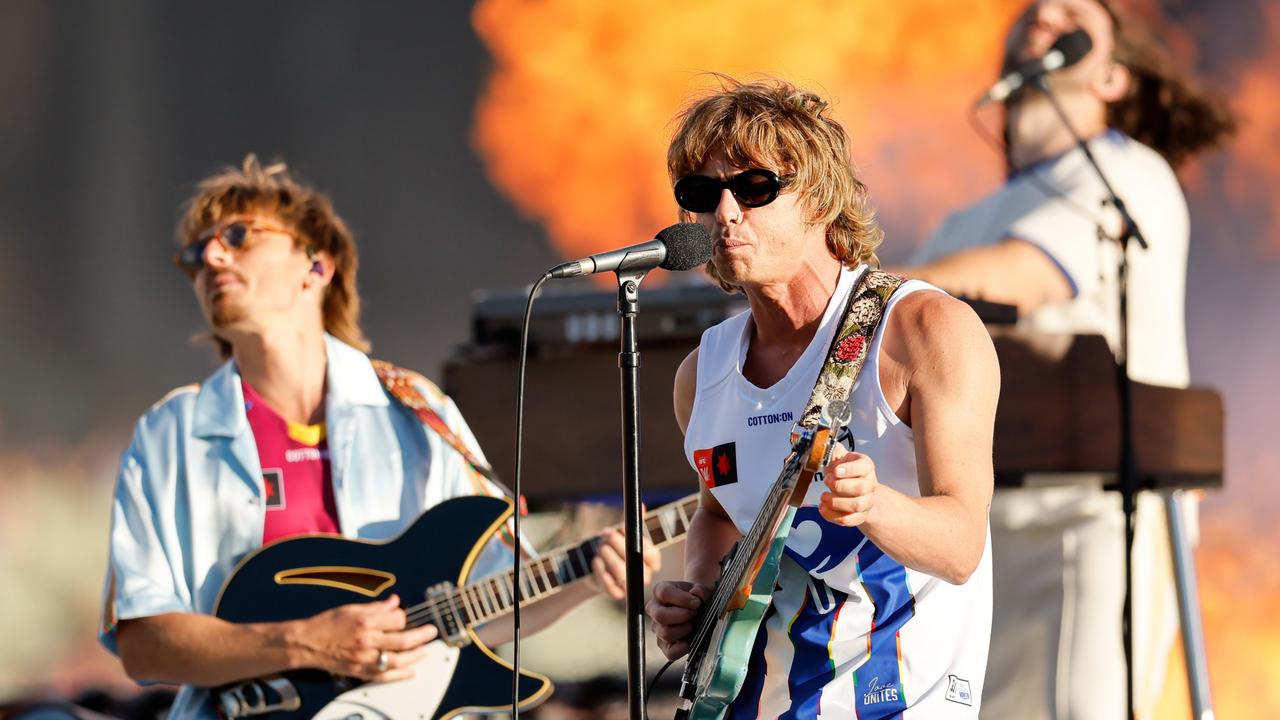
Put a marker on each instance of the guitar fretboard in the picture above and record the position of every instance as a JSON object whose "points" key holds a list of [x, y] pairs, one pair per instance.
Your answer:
{"points": [[486, 599], [745, 558]]}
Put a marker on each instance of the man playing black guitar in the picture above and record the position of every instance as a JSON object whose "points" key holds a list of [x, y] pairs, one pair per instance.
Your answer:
{"points": [[882, 605], [299, 432]]}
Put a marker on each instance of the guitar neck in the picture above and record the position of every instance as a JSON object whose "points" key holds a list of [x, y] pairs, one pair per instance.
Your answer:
{"points": [[495, 596], [744, 562]]}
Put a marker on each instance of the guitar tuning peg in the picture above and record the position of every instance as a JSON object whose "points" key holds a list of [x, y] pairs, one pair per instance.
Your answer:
{"points": [[837, 413]]}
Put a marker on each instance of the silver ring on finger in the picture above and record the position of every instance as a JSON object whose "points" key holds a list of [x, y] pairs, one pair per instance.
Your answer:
{"points": [[384, 661]]}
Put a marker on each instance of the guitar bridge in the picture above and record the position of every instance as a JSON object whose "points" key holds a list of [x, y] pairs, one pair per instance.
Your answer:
{"points": [[448, 615]]}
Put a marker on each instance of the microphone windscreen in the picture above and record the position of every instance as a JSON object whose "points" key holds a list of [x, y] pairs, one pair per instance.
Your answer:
{"points": [[688, 246], [1073, 46]]}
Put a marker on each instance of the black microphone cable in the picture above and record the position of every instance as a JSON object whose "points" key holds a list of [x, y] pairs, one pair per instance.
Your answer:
{"points": [[515, 531], [648, 693]]}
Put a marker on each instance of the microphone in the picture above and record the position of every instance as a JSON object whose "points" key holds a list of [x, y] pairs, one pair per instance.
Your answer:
{"points": [[682, 246], [1067, 50]]}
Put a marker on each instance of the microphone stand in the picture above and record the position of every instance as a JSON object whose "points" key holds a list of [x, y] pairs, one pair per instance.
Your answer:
{"points": [[629, 362], [1129, 483]]}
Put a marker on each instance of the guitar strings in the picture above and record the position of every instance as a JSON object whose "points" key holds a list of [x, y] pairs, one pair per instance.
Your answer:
{"points": [[457, 598], [754, 536], [724, 592]]}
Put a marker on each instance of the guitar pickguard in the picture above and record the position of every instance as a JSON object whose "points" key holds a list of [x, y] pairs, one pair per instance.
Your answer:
{"points": [[413, 699]]}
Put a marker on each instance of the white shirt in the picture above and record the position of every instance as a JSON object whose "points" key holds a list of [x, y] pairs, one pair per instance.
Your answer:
{"points": [[1056, 205]]}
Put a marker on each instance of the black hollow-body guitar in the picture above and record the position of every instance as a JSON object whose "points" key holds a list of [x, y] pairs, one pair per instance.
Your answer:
{"points": [[428, 566]]}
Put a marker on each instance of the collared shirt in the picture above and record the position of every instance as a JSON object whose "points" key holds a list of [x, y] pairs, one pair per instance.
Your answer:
{"points": [[189, 498]]}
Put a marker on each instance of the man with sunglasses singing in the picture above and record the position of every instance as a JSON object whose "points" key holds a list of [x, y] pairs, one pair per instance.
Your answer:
{"points": [[295, 433], [883, 603]]}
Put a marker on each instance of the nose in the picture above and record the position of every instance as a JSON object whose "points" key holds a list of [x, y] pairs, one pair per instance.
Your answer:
{"points": [[1050, 14], [216, 254], [728, 212]]}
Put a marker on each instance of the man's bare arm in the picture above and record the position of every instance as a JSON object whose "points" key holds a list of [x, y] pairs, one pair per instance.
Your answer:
{"points": [[711, 532], [674, 605], [953, 383], [1013, 272]]}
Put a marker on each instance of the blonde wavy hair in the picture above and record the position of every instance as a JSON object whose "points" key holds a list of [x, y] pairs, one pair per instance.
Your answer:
{"points": [[770, 123], [275, 190]]}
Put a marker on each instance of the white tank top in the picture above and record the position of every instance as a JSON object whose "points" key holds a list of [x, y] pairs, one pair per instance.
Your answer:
{"points": [[851, 632]]}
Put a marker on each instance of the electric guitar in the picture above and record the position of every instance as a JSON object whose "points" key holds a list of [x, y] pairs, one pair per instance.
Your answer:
{"points": [[430, 561], [726, 628]]}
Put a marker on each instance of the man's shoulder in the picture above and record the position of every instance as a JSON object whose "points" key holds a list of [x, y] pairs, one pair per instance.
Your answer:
{"points": [[389, 372], [177, 401], [1139, 167], [414, 392], [928, 321], [925, 304], [180, 404], [178, 394], [1118, 144], [167, 417]]}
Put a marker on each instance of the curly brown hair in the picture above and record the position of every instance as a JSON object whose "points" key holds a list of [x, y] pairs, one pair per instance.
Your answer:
{"points": [[1164, 107], [276, 190], [770, 123]]}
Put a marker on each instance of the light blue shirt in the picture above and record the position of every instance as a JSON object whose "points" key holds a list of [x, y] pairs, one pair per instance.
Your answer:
{"points": [[189, 498]]}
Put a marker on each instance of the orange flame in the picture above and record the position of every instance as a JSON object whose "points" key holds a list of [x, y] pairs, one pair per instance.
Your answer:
{"points": [[1239, 585], [1253, 177], [575, 120]]}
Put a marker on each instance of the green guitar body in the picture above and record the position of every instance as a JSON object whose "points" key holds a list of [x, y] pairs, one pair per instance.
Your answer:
{"points": [[722, 679]]}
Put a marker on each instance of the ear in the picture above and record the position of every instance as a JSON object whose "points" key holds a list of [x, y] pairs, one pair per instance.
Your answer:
{"points": [[320, 274], [1113, 84]]}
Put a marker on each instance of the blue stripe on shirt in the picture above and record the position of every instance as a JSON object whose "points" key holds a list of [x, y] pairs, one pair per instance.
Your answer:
{"points": [[812, 668], [879, 694]]}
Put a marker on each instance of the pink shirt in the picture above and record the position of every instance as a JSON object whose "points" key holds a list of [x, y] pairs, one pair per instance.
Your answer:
{"points": [[296, 475]]}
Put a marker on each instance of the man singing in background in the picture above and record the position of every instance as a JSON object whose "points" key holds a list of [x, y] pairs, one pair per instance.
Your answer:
{"points": [[1046, 243]]}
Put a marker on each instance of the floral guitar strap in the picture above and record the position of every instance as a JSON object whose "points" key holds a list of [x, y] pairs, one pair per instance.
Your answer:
{"points": [[852, 341]]}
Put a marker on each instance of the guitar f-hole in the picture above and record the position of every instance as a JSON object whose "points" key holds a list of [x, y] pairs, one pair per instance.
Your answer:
{"points": [[364, 581]]}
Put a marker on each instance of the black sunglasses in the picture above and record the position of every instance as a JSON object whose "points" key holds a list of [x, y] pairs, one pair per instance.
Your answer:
{"points": [[233, 237], [752, 188]]}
